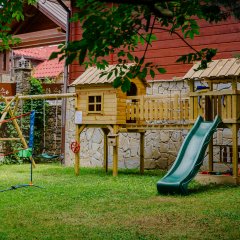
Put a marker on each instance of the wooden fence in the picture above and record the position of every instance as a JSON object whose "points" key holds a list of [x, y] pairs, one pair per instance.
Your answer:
{"points": [[157, 108]]}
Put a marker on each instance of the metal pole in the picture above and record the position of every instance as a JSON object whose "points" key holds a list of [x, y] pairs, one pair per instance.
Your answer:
{"points": [[65, 81]]}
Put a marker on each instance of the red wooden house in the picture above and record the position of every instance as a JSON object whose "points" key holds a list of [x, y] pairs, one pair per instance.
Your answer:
{"points": [[224, 36]]}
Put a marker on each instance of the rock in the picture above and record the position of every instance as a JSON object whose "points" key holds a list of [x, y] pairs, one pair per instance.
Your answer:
{"points": [[132, 163], [98, 156], [164, 136], [148, 151], [89, 133], [149, 164], [124, 143], [97, 137], [95, 147], [155, 154], [162, 164]]}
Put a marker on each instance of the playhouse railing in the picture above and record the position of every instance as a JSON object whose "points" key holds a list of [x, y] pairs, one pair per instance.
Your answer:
{"points": [[224, 103], [157, 109]]}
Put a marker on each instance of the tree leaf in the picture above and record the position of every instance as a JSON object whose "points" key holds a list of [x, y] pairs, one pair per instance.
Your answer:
{"points": [[53, 55], [152, 73], [162, 70]]}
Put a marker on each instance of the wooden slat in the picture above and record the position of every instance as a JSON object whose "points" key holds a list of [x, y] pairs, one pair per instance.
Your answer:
{"points": [[195, 108], [9, 139], [229, 107]]}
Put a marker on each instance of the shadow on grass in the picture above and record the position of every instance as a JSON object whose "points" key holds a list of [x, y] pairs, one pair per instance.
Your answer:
{"points": [[136, 172], [199, 188]]}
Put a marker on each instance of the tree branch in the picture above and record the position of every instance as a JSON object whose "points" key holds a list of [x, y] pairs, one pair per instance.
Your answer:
{"points": [[148, 42], [182, 38], [134, 2]]}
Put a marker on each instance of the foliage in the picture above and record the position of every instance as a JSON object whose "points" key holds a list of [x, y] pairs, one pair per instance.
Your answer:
{"points": [[95, 205], [10, 11], [120, 28]]}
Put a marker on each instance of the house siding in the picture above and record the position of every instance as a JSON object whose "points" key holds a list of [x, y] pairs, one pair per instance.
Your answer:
{"points": [[225, 36]]}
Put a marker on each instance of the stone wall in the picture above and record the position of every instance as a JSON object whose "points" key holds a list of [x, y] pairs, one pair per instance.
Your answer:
{"points": [[22, 77], [53, 127]]}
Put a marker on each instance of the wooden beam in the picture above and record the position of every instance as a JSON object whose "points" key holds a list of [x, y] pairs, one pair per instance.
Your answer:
{"points": [[210, 155], [8, 104], [9, 139], [235, 150], [40, 38], [105, 148], [77, 155], [44, 96], [78, 130], [142, 135], [115, 152]]}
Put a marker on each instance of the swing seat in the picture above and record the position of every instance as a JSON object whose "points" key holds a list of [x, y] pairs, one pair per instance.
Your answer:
{"points": [[48, 156], [25, 153]]}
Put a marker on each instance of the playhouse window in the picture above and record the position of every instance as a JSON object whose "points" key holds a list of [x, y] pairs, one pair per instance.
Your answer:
{"points": [[94, 104]]}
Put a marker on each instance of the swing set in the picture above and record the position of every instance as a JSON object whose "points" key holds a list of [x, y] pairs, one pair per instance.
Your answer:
{"points": [[26, 151]]}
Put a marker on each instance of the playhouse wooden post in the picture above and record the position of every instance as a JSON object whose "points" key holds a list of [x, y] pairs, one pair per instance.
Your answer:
{"points": [[77, 155], [142, 136], [235, 131], [209, 117], [105, 149], [191, 100], [79, 129], [210, 155], [235, 150], [115, 152]]}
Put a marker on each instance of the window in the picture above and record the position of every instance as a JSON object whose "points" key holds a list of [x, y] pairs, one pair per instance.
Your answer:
{"points": [[95, 104]]}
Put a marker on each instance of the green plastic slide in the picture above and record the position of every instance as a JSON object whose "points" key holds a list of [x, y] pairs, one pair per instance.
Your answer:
{"points": [[190, 157]]}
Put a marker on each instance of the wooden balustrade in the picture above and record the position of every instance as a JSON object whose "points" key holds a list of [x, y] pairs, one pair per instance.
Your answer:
{"points": [[222, 103], [157, 108]]}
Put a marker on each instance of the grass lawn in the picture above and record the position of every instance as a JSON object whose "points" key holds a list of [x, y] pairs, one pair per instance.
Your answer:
{"points": [[98, 206]]}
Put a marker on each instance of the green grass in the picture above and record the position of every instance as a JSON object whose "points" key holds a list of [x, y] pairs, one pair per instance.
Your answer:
{"points": [[98, 206]]}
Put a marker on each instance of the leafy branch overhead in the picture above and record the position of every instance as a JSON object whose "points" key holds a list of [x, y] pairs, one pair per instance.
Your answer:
{"points": [[10, 11], [120, 28]]}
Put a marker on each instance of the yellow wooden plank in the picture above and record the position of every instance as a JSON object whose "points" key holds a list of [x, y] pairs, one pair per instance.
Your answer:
{"points": [[195, 108], [150, 110], [229, 106], [160, 110], [142, 152], [175, 107]]}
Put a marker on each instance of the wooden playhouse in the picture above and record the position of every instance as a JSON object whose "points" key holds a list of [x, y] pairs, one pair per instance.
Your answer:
{"points": [[100, 105]]}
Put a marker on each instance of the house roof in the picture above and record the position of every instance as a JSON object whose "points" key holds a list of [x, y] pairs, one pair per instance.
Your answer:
{"points": [[217, 69], [54, 11], [39, 53], [92, 76], [49, 68]]}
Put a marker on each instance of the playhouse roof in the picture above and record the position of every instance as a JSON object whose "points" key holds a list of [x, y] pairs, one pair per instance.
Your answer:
{"points": [[217, 69], [92, 76]]}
